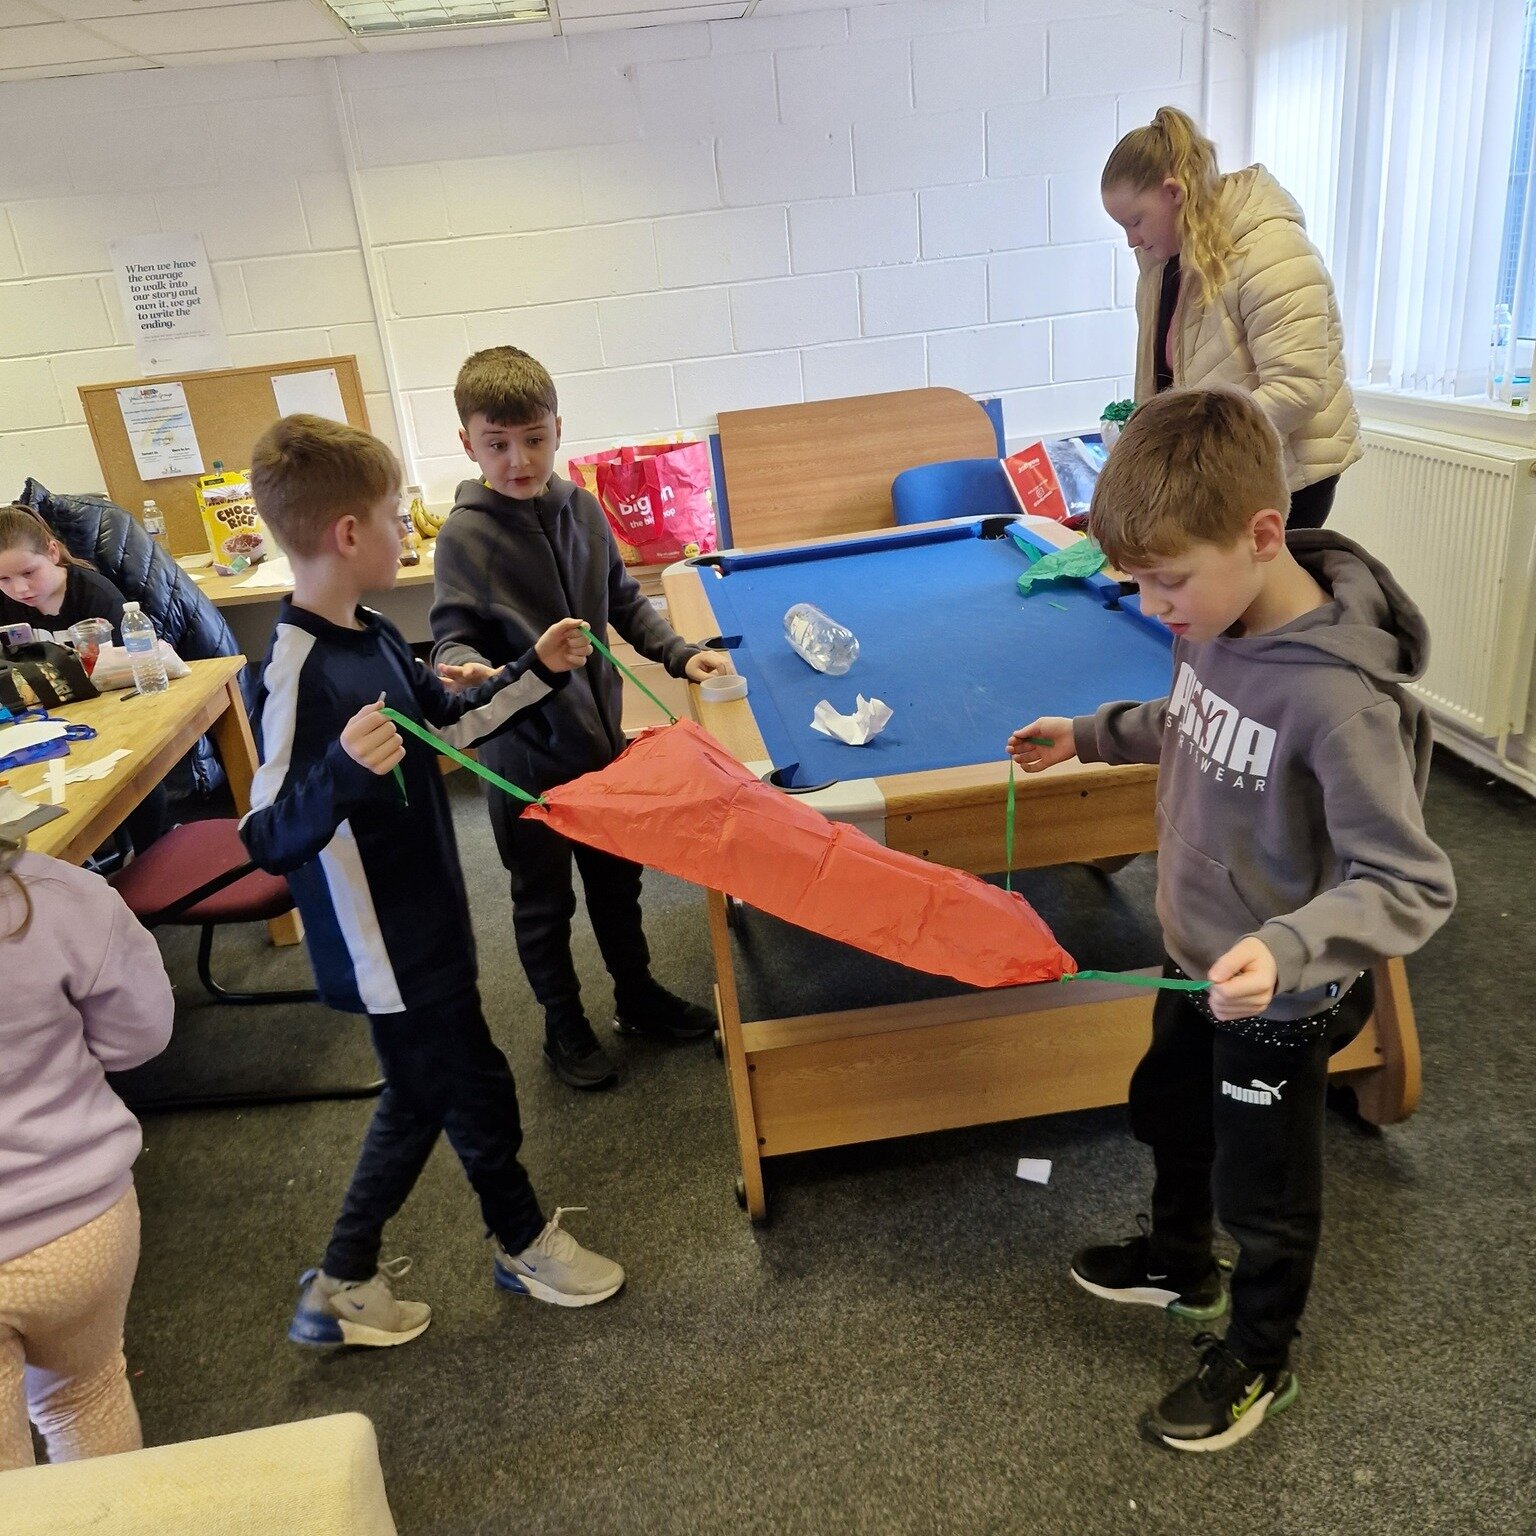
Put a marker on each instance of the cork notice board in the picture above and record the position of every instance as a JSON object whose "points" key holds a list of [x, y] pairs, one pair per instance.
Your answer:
{"points": [[230, 409]]}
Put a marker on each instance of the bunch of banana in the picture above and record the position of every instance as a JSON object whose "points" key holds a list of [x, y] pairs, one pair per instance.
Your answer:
{"points": [[425, 521]]}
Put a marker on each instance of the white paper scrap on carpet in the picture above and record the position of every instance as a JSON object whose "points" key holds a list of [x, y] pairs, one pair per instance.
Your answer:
{"points": [[1036, 1169]]}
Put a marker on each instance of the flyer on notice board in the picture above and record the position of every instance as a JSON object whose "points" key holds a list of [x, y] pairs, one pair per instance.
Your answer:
{"points": [[160, 430]]}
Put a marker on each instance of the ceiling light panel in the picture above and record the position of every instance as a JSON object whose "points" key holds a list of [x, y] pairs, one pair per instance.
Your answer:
{"points": [[369, 18]]}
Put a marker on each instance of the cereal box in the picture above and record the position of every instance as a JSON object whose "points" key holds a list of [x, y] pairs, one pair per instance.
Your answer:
{"points": [[237, 537]]}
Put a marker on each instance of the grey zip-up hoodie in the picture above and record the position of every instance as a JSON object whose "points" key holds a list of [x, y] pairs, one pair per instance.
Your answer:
{"points": [[1290, 788], [505, 571]]}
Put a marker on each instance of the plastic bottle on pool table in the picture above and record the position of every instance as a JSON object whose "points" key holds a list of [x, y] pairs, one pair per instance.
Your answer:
{"points": [[820, 641]]}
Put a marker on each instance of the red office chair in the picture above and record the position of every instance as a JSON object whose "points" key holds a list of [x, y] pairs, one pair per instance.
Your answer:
{"points": [[199, 875]]}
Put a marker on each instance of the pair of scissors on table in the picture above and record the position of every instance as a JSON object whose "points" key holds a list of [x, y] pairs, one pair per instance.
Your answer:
{"points": [[42, 751], [73, 731]]}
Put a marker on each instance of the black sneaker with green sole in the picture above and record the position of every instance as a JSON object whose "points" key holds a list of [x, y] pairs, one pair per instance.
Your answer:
{"points": [[1222, 1403], [1125, 1272]]}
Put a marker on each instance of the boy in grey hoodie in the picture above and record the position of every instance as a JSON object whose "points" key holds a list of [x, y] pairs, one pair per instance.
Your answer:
{"points": [[523, 543], [1292, 856]]}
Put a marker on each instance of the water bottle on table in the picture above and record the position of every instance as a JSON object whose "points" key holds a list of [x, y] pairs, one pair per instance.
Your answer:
{"points": [[820, 641], [154, 523], [143, 648]]}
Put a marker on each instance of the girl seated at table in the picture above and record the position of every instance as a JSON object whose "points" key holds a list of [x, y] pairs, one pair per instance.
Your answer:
{"points": [[43, 585]]}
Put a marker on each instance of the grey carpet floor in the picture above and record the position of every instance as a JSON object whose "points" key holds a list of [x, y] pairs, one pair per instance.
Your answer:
{"points": [[899, 1349]]}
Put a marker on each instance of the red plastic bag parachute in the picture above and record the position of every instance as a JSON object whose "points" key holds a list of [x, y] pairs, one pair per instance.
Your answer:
{"points": [[677, 801]]}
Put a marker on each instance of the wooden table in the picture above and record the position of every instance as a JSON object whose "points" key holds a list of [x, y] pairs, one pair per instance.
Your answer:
{"points": [[798, 1084], [251, 611], [158, 729], [825, 467]]}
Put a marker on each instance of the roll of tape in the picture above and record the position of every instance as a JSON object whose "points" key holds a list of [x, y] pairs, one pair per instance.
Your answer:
{"points": [[721, 690]]}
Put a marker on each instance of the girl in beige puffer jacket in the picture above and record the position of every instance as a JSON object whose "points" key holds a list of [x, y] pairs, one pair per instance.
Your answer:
{"points": [[1232, 292]]}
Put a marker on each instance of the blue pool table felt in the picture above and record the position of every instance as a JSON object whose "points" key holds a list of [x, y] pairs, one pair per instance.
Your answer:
{"points": [[945, 639]]}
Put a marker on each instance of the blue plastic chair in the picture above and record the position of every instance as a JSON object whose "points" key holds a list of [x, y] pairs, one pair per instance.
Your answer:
{"points": [[958, 488]]}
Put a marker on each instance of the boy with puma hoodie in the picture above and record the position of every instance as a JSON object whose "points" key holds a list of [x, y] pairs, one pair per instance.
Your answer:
{"points": [[1292, 856]]}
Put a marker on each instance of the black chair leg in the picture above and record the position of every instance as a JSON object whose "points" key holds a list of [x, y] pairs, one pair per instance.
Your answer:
{"points": [[241, 1099], [224, 995]]}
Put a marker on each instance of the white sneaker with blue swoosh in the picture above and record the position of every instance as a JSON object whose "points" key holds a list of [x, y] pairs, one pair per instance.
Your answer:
{"points": [[334, 1312], [555, 1268]]}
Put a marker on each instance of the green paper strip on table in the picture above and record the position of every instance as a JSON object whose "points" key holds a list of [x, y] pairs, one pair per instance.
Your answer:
{"points": [[1079, 560]]}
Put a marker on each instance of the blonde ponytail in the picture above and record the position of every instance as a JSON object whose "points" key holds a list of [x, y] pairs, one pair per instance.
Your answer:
{"points": [[1171, 145]]}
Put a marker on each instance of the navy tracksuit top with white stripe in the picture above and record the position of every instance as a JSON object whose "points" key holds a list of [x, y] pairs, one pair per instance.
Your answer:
{"points": [[376, 876]]}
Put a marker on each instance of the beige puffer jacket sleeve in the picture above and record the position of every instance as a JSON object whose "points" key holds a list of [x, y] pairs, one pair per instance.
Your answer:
{"points": [[1273, 330]]}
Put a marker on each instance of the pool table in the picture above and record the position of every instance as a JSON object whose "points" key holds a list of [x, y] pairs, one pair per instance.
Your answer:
{"points": [[948, 642]]}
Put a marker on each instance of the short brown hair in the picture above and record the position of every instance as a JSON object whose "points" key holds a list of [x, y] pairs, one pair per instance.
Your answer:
{"points": [[506, 386], [308, 471], [1191, 467]]}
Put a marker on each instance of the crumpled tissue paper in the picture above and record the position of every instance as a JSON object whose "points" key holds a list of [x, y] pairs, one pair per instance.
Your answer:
{"points": [[869, 718]]}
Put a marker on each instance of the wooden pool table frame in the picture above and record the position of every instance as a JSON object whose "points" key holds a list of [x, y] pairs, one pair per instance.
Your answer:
{"points": [[864, 1074]]}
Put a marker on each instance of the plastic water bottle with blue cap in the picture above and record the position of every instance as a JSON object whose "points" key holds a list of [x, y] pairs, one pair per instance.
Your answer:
{"points": [[143, 648]]}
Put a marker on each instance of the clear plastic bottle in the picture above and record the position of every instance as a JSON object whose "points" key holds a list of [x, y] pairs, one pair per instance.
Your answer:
{"points": [[820, 641], [410, 539], [143, 648], [154, 523], [1501, 356]]}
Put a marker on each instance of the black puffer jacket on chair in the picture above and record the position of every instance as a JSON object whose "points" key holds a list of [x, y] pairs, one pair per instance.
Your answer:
{"points": [[98, 530]]}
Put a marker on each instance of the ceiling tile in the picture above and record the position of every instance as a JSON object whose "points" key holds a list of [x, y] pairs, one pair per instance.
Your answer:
{"points": [[56, 42], [334, 48], [90, 10], [717, 10], [86, 67], [18, 13], [236, 26]]}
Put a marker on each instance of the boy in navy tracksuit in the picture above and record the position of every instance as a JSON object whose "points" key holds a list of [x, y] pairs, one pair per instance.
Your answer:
{"points": [[358, 820]]}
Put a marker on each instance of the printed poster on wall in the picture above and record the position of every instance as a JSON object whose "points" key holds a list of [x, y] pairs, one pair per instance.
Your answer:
{"points": [[160, 431], [169, 302]]}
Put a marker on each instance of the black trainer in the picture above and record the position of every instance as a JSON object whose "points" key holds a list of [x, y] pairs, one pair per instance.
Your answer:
{"points": [[1222, 1403], [1124, 1272], [656, 1014], [573, 1054]]}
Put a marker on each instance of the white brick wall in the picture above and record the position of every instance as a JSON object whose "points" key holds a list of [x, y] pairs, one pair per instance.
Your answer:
{"points": [[795, 311], [678, 221]]}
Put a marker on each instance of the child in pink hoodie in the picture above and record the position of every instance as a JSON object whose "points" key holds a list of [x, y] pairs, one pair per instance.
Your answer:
{"points": [[85, 993]]}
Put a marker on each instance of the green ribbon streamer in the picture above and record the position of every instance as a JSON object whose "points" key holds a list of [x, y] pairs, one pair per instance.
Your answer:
{"points": [[1008, 866], [1130, 979], [439, 745], [400, 780], [603, 650]]}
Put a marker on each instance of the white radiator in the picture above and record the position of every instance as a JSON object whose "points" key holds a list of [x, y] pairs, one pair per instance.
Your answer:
{"points": [[1454, 519]]}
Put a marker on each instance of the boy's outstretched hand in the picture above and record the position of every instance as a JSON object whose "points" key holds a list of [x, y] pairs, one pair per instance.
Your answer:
{"points": [[470, 675], [371, 740], [706, 664], [1025, 748], [1243, 980], [564, 646]]}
